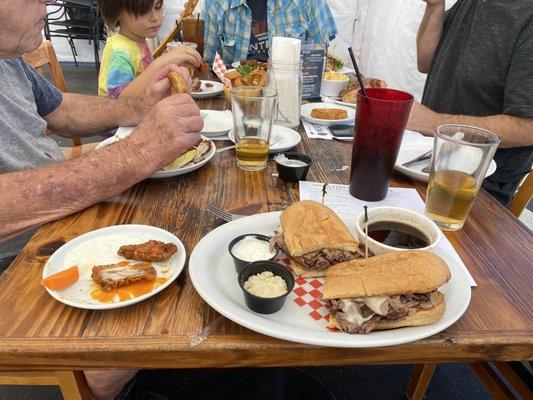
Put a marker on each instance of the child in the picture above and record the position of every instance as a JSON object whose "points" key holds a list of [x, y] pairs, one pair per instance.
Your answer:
{"points": [[127, 63]]}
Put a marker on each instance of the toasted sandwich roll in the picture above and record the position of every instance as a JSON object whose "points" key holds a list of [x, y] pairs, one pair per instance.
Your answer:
{"points": [[386, 291], [177, 83], [314, 238]]}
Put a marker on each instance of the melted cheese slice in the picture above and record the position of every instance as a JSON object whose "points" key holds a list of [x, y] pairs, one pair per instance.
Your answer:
{"points": [[353, 314]]}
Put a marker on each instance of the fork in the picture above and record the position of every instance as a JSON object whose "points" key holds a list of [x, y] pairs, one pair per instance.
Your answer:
{"points": [[226, 216], [423, 157]]}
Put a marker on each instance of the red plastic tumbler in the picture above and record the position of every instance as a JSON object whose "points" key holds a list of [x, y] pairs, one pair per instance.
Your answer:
{"points": [[381, 119]]}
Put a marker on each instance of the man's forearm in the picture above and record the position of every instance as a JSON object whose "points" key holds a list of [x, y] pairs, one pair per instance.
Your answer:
{"points": [[429, 34], [513, 131], [81, 115], [32, 197]]}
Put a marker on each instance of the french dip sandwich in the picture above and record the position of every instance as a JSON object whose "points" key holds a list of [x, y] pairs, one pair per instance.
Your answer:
{"points": [[388, 291], [314, 238]]}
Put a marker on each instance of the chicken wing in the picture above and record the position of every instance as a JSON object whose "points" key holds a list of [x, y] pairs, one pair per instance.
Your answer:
{"points": [[113, 276], [153, 250]]}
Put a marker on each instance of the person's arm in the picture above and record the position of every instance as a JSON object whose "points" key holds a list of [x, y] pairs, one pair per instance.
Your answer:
{"points": [[513, 131], [33, 197], [181, 55], [429, 33], [75, 115]]}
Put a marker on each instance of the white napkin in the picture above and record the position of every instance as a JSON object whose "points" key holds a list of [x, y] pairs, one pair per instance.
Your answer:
{"points": [[285, 59]]}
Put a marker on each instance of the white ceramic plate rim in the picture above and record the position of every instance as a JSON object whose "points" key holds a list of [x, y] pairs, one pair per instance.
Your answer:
{"points": [[424, 146], [306, 114], [167, 173], [116, 229], [208, 92], [203, 279], [290, 140]]}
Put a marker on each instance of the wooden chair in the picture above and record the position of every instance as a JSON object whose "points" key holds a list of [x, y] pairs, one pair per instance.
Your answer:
{"points": [[489, 373], [522, 196], [187, 11], [72, 384], [45, 55]]}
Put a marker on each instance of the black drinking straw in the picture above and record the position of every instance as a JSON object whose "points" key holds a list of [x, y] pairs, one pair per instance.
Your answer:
{"points": [[359, 76]]}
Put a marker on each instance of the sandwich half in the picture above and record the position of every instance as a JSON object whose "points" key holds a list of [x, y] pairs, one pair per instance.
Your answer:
{"points": [[314, 238], [387, 291]]}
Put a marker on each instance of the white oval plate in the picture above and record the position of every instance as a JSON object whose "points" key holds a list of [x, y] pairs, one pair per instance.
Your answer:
{"points": [[208, 92], [307, 108], [217, 123], [123, 132], [289, 139], [412, 149], [111, 238], [213, 275]]}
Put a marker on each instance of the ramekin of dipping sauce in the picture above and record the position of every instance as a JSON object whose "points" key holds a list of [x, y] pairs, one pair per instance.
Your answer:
{"points": [[264, 279], [250, 247], [292, 166]]}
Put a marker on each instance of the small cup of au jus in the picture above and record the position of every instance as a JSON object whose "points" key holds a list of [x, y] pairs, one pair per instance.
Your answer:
{"points": [[292, 166], [250, 247], [265, 286]]}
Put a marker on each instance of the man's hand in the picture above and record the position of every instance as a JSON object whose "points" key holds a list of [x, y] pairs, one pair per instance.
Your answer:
{"points": [[168, 130], [157, 90], [422, 119]]}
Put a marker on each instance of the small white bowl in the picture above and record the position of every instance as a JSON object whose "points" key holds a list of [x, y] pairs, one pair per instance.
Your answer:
{"points": [[401, 215], [332, 88]]}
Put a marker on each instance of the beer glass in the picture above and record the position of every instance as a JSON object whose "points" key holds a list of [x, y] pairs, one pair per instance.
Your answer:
{"points": [[253, 109], [461, 157]]}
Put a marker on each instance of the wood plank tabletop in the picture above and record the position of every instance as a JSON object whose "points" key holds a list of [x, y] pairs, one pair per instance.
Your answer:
{"points": [[37, 332]]}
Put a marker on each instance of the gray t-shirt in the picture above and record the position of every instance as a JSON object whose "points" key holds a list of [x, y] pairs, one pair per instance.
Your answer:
{"points": [[483, 66], [25, 97]]}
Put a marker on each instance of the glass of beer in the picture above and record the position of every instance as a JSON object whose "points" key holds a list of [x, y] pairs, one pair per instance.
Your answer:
{"points": [[461, 157], [253, 109]]}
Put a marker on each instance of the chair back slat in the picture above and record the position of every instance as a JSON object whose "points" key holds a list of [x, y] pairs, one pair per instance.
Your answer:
{"points": [[522, 196], [45, 55]]}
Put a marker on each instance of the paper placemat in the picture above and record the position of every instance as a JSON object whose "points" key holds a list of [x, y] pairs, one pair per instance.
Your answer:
{"points": [[338, 198]]}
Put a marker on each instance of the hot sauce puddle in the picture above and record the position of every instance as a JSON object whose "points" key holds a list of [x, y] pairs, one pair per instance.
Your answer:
{"points": [[128, 292]]}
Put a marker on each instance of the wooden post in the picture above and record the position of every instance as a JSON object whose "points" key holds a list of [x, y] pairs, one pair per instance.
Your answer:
{"points": [[73, 385]]}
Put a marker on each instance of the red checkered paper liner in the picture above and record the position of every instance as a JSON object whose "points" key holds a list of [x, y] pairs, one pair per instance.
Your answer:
{"points": [[308, 292], [219, 68]]}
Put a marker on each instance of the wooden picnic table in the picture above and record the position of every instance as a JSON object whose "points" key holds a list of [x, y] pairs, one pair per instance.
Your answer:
{"points": [[40, 333]]}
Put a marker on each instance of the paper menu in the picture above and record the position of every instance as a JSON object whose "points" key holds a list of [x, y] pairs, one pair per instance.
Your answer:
{"points": [[338, 198]]}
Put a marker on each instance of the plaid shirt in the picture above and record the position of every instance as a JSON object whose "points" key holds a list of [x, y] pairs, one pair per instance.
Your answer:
{"points": [[228, 24]]}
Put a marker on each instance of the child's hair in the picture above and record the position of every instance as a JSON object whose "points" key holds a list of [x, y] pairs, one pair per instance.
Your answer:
{"points": [[111, 9]]}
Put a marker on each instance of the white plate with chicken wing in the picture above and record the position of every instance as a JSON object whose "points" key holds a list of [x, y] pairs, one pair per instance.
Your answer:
{"points": [[100, 248]]}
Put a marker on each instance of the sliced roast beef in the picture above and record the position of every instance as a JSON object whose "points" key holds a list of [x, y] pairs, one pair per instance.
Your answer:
{"points": [[320, 259], [354, 316]]}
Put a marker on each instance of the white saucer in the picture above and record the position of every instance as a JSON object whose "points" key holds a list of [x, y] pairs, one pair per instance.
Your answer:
{"points": [[289, 139]]}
